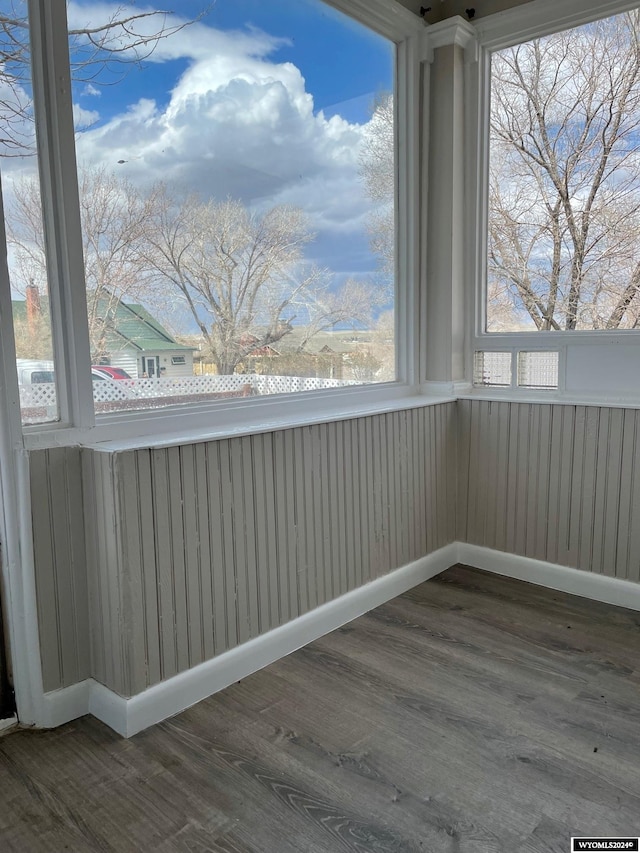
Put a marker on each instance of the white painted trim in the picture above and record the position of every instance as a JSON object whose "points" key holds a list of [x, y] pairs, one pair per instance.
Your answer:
{"points": [[389, 19], [543, 17], [546, 398], [452, 31], [128, 716], [408, 106], [277, 417], [17, 581], [441, 391], [132, 715], [620, 593], [68, 703], [55, 134], [8, 723]]}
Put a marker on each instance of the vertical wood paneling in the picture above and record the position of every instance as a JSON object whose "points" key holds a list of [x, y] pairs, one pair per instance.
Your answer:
{"points": [[105, 579], [224, 629], [193, 581], [163, 545], [132, 575], [46, 573], [293, 519], [229, 562], [191, 550], [142, 515], [356, 517], [182, 553], [632, 568], [567, 454], [204, 553], [178, 557], [557, 483], [543, 461]]}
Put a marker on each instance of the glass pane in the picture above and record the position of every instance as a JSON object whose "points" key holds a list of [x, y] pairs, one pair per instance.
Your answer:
{"points": [[237, 183], [538, 369], [23, 220], [564, 187], [492, 368]]}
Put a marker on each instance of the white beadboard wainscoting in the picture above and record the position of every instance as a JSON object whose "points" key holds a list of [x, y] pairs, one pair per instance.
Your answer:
{"points": [[555, 483], [129, 715], [193, 550], [164, 575]]}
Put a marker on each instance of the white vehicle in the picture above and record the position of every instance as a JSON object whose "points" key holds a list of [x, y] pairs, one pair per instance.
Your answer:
{"points": [[32, 372]]}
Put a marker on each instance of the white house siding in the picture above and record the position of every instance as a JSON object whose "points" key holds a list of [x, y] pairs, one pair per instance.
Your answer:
{"points": [[185, 369], [127, 359]]}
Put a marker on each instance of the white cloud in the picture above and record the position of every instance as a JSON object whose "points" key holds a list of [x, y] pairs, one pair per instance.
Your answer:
{"points": [[84, 118], [237, 123], [91, 90]]}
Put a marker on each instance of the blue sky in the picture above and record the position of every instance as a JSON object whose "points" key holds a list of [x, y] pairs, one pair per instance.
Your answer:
{"points": [[341, 78], [262, 100]]}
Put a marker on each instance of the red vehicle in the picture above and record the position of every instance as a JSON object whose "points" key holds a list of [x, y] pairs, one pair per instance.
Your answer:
{"points": [[103, 371]]}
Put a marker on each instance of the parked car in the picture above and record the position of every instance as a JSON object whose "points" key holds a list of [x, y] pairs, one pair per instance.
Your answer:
{"points": [[105, 371], [32, 372]]}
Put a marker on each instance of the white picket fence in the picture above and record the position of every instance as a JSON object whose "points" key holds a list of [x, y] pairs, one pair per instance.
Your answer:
{"points": [[42, 396]]}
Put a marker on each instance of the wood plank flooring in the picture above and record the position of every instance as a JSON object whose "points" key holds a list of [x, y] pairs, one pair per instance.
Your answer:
{"points": [[475, 714]]}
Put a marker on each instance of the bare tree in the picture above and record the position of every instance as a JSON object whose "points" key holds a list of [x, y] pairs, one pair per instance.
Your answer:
{"points": [[113, 216], [377, 167], [100, 52], [564, 207], [322, 307], [241, 275]]}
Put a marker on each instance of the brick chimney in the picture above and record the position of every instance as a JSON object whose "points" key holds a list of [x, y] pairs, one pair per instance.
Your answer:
{"points": [[33, 308]]}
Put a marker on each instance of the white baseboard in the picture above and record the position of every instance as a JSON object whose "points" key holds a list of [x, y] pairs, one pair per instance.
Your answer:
{"points": [[62, 706], [574, 581], [8, 723], [129, 716]]}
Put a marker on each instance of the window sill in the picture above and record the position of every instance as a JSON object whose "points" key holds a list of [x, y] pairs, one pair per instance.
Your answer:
{"points": [[556, 398], [114, 433]]}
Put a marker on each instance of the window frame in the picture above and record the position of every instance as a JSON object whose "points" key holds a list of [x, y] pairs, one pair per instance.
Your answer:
{"points": [[58, 175], [497, 32]]}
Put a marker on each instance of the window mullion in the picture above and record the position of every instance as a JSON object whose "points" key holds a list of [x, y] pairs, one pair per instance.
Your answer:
{"points": [[61, 213], [407, 125]]}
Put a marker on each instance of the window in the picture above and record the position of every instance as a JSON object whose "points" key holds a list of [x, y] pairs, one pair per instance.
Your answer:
{"points": [[564, 181], [537, 370], [237, 195], [23, 222], [562, 206], [252, 137]]}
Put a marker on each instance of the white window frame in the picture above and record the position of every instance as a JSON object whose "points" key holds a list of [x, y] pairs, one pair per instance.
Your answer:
{"points": [[579, 350], [57, 163]]}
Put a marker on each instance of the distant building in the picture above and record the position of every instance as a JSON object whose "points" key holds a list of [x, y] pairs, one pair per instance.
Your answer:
{"points": [[332, 354], [132, 338], [136, 341]]}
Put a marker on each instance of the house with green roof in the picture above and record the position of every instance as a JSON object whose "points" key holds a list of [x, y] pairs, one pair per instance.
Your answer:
{"points": [[136, 341], [129, 336]]}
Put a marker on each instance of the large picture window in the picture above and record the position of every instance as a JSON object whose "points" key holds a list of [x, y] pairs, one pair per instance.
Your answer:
{"points": [[564, 181], [236, 178], [236, 168]]}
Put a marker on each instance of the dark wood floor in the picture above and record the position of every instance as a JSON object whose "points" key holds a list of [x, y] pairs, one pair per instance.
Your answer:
{"points": [[474, 714]]}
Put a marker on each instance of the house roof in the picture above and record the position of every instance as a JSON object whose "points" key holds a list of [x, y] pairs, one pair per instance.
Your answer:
{"points": [[131, 325], [337, 342]]}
